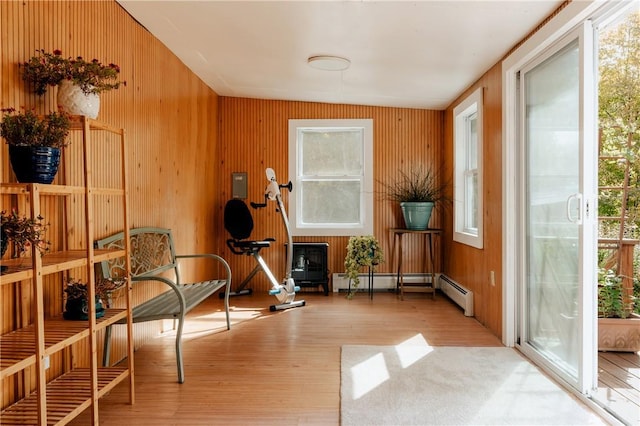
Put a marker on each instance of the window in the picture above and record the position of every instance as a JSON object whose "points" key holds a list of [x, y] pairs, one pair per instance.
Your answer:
{"points": [[467, 141], [331, 167]]}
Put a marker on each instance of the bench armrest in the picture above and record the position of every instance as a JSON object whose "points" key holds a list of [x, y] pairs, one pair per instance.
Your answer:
{"points": [[224, 263], [210, 256]]}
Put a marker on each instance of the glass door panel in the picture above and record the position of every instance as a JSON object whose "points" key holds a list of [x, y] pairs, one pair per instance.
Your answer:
{"points": [[555, 276]]}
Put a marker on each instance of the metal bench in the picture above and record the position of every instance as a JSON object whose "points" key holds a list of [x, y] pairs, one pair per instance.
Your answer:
{"points": [[153, 259]]}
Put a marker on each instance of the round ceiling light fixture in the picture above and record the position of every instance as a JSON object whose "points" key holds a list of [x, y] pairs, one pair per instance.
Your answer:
{"points": [[328, 63]]}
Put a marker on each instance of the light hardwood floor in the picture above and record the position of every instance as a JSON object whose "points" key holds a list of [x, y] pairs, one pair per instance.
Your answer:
{"points": [[275, 368]]}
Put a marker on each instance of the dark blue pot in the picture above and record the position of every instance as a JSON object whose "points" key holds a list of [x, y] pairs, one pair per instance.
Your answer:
{"points": [[34, 164], [77, 309], [4, 244]]}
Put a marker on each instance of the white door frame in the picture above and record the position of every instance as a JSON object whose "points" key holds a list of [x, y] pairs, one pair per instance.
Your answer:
{"points": [[568, 18]]}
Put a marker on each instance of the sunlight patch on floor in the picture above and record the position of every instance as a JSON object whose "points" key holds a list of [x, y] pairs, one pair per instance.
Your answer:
{"points": [[211, 323], [412, 350], [373, 372], [368, 375]]}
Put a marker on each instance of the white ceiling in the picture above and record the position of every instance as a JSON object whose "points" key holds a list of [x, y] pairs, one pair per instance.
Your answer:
{"points": [[419, 54]]}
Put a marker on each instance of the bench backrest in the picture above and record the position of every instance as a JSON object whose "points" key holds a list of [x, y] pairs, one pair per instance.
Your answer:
{"points": [[151, 251]]}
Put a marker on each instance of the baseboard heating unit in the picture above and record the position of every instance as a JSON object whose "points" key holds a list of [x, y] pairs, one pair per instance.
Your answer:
{"points": [[456, 292]]}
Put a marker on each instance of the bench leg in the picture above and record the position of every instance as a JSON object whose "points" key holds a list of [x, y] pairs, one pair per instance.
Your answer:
{"points": [[107, 347], [179, 349]]}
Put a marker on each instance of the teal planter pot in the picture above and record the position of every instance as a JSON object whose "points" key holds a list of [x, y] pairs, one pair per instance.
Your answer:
{"points": [[416, 214]]}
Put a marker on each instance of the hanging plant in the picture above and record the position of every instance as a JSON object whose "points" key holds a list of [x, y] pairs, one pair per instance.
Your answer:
{"points": [[362, 251]]}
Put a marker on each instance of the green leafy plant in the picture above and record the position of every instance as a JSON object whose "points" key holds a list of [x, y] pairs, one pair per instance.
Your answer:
{"points": [[24, 232], [76, 289], [361, 251], [610, 295], [28, 129], [420, 184], [50, 69]]}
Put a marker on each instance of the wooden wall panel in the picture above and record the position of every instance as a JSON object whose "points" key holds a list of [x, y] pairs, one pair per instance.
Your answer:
{"points": [[254, 136], [468, 265], [170, 117]]}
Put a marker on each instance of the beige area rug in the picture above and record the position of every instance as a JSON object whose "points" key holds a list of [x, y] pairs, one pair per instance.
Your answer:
{"points": [[416, 384]]}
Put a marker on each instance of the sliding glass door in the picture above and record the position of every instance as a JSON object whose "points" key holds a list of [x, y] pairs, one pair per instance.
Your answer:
{"points": [[558, 212]]}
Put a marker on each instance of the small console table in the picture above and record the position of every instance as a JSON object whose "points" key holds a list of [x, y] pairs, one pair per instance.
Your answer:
{"points": [[428, 287]]}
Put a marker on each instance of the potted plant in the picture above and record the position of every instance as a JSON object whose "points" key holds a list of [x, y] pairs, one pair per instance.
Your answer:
{"points": [[34, 143], [417, 191], [80, 81], [361, 251], [618, 325], [77, 292], [24, 232]]}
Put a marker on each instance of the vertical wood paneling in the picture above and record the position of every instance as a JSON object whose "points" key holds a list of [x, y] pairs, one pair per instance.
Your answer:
{"points": [[171, 122], [468, 265], [254, 135]]}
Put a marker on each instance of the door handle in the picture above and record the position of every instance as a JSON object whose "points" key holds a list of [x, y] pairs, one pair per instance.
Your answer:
{"points": [[570, 200]]}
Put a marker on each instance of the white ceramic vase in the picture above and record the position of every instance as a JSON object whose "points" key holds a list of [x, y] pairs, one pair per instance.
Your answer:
{"points": [[76, 102]]}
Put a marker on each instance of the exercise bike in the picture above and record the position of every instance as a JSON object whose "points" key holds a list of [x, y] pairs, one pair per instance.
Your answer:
{"points": [[239, 223]]}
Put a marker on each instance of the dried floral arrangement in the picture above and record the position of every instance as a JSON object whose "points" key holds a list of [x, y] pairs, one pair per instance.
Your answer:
{"points": [[76, 289], [50, 69], [24, 231]]}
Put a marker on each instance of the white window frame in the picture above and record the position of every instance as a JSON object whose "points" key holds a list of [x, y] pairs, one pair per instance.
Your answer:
{"points": [[365, 225], [470, 107]]}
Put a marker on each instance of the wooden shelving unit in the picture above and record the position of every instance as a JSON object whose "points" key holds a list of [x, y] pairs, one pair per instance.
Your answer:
{"points": [[57, 400]]}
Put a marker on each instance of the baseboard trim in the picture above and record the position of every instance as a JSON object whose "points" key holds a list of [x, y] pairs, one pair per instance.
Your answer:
{"points": [[381, 281]]}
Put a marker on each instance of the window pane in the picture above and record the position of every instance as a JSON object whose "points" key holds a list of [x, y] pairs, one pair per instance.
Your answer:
{"points": [[471, 216], [331, 153], [327, 202], [472, 142]]}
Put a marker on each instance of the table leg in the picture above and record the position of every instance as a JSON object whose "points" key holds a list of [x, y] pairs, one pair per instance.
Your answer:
{"points": [[433, 268], [400, 276]]}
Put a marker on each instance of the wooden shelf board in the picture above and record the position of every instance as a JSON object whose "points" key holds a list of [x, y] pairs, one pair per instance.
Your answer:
{"points": [[18, 347], [42, 188], [67, 396], [63, 260], [60, 190], [20, 269], [15, 361], [77, 123], [100, 255]]}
